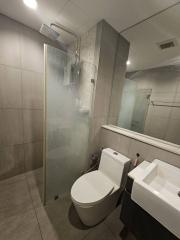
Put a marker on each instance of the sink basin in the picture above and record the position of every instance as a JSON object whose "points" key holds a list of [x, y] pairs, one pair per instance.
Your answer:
{"points": [[156, 191]]}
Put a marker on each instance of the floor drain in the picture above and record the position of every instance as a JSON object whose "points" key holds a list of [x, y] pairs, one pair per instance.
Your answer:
{"points": [[179, 193], [56, 197]]}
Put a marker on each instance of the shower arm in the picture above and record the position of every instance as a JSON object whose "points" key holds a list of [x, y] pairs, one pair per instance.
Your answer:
{"points": [[57, 25]]}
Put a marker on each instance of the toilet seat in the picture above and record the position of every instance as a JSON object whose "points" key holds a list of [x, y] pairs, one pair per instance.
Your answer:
{"points": [[91, 188]]}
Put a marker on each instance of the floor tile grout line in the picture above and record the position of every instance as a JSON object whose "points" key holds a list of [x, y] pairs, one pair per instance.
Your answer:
{"points": [[110, 230], [113, 232], [34, 207], [84, 237], [40, 230], [89, 232]]}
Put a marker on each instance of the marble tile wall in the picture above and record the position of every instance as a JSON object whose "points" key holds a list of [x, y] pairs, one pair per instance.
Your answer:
{"points": [[21, 98]]}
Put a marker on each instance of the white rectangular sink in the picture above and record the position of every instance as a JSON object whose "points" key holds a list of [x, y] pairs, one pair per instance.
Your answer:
{"points": [[156, 191]]}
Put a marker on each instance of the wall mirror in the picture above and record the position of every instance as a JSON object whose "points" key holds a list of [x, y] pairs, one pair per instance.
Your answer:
{"points": [[150, 99]]}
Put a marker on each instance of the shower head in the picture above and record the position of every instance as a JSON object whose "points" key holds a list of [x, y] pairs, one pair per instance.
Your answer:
{"points": [[49, 32], [52, 34]]}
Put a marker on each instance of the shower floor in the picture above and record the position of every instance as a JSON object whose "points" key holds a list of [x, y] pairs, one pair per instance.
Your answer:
{"points": [[23, 217]]}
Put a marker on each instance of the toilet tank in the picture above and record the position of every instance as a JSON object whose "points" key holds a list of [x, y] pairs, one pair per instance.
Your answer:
{"points": [[114, 165]]}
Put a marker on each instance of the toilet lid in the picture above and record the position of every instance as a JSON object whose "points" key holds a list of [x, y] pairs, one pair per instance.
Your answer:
{"points": [[91, 188]]}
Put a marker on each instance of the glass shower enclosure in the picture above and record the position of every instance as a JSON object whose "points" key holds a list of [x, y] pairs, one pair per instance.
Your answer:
{"points": [[67, 109], [134, 107]]}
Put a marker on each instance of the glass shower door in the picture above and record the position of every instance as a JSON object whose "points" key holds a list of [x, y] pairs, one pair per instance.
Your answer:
{"points": [[67, 111], [140, 110]]}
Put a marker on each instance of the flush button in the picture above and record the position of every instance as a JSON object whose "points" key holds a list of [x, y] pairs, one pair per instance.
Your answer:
{"points": [[115, 153]]}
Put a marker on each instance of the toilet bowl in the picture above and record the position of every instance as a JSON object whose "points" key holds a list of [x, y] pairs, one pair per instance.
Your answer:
{"points": [[95, 194]]}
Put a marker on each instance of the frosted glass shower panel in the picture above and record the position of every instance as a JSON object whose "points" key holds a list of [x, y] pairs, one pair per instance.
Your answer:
{"points": [[127, 104], [67, 122]]}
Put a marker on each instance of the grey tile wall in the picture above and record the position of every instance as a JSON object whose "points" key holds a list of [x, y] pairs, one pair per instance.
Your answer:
{"points": [[32, 90], [11, 161], [33, 155], [129, 147], [111, 51], [9, 42], [107, 57], [11, 131], [116, 140], [21, 98], [10, 87], [32, 125], [34, 60]]}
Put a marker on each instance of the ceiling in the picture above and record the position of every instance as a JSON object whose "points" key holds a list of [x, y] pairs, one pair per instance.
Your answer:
{"points": [[81, 15], [144, 38]]}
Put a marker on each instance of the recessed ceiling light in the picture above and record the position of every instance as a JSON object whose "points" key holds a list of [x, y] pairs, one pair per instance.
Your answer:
{"points": [[30, 3], [128, 62]]}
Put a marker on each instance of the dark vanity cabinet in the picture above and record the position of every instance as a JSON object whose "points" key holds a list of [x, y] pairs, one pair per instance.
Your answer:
{"points": [[139, 222]]}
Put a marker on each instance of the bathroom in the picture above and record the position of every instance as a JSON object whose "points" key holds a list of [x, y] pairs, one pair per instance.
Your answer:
{"points": [[82, 83]]}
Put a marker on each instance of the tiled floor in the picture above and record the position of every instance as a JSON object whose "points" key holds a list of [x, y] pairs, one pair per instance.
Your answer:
{"points": [[23, 217]]}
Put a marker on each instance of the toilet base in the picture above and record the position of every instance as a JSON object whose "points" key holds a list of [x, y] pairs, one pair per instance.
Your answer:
{"points": [[92, 215]]}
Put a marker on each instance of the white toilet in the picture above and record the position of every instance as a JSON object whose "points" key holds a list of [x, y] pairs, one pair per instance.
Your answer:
{"points": [[96, 193]]}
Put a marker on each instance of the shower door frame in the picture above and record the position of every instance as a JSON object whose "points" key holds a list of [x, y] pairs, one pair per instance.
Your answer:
{"points": [[44, 125]]}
